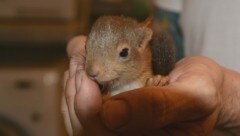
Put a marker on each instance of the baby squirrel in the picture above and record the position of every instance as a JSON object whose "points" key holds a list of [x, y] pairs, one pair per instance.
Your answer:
{"points": [[122, 54]]}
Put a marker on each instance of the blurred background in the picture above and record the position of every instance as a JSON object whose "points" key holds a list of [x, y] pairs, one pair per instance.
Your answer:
{"points": [[33, 38]]}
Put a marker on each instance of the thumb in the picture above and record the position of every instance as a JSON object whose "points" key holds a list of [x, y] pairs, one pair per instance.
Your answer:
{"points": [[147, 109], [88, 100], [132, 110], [88, 104]]}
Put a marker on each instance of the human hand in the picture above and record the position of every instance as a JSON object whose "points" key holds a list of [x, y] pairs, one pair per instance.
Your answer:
{"points": [[189, 105], [82, 100], [76, 53], [181, 108]]}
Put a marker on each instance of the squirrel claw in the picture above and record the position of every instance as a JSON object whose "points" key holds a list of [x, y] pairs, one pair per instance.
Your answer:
{"points": [[158, 80]]}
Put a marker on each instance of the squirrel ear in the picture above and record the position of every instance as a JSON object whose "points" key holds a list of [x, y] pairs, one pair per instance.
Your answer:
{"points": [[145, 26], [147, 22]]}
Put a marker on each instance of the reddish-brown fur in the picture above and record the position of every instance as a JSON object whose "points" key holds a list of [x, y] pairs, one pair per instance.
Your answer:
{"points": [[108, 37]]}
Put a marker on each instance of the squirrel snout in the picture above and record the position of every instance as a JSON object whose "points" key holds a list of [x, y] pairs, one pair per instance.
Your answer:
{"points": [[93, 72]]}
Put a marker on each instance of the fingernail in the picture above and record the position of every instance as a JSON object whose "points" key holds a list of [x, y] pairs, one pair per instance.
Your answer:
{"points": [[115, 114]]}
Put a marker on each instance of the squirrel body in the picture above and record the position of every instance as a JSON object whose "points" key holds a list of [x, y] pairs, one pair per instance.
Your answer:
{"points": [[120, 56]]}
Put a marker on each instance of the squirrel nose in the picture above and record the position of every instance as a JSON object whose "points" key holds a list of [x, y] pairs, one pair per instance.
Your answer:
{"points": [[93, 72]]}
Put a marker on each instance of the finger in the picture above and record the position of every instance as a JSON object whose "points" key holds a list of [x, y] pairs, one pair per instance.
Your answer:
{"points": [[150, 108], [88, 98], [88, 105], [76, 52], [64, 79], [74, 62], [64, 108], [66, 116], [70, 93]]}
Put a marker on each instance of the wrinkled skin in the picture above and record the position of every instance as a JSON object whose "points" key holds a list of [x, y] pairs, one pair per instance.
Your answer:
{"points": [[192, 104]]}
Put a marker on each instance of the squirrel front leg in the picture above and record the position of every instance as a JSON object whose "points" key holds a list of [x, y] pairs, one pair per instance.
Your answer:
{"points": [[158, 80]]}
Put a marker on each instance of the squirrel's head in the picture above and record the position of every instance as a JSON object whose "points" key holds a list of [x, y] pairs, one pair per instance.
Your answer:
{"points": [[117, 49]]}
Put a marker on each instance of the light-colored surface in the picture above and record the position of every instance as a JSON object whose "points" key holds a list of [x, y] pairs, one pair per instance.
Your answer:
{"points": [[211, 28], [172, 5]]}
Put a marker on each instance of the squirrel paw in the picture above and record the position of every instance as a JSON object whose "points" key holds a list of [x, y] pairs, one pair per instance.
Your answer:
{"points": [[158, 80]]}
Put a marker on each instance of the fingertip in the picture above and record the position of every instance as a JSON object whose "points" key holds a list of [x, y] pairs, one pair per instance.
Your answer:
{"points": [[76, 45]]}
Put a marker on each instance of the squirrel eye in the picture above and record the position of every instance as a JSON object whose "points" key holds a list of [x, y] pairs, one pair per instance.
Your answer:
{"points": [[124, 52]]}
